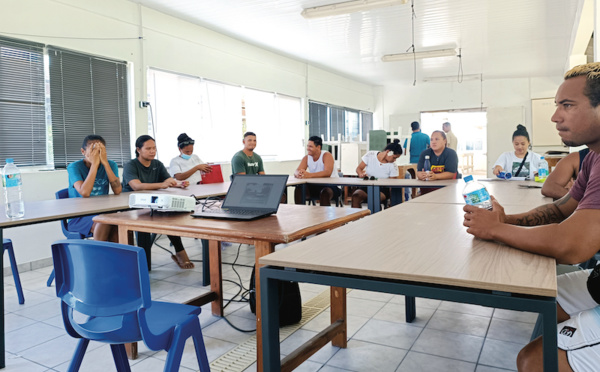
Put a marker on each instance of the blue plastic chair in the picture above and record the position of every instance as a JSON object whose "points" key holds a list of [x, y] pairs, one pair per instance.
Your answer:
{"points": [[64, 194], [109, 283], [7, 246]]}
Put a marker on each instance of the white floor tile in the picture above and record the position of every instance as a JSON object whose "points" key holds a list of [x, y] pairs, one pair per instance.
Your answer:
{"points": [[449, 345], [460, 323], [364, 356], [418, 362]]}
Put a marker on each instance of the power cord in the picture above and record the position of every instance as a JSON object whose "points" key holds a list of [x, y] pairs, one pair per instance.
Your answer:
{"points": [[243, 292]]}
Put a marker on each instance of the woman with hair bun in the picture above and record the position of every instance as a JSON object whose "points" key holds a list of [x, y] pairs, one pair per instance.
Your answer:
{"points": [[187, 166], [521, 162], [377, 164]]}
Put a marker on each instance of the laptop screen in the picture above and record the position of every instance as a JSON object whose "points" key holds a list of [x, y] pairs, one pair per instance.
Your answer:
{"points": [[255, 191]]}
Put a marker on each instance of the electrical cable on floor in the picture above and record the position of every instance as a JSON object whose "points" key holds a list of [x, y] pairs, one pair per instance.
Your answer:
{"points": [[243, 292]]}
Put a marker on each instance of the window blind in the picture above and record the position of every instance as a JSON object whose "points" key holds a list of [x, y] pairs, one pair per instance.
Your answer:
{"points": [[366, 119], [317, 116], [88, 95], [22, 111]]}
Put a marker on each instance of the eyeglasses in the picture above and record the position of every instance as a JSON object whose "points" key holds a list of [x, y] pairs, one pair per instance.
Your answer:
{"points": [[366, 178], [185, 143]]}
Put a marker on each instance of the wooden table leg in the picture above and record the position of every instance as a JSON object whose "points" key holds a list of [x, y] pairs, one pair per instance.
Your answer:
{"points": [[261, 248], [126, 237], [216, 276], [338, 312]]}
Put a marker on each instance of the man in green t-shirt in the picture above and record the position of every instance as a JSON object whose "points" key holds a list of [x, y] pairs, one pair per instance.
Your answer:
{"points": [[247, 161]]}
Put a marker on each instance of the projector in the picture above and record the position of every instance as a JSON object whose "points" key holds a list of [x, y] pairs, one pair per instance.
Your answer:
{"points": [[163, 202]]}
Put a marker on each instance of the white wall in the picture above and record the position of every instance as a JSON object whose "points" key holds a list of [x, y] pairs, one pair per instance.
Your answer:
{"points": [[166, 43], [507, 101]]}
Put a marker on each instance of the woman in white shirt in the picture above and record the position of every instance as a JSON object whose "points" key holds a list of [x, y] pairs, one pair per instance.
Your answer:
{"points": [[377, 164], [187, 166], [521, 162]]}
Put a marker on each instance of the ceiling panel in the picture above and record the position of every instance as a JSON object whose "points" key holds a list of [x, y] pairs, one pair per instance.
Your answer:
{"points": [[509, 38]]}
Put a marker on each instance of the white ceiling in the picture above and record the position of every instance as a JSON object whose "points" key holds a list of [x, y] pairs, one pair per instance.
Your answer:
{"points": [[498, 38]]}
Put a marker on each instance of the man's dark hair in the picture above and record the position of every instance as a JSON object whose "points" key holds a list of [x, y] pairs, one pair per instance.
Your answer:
{"points": [[317, 141], [591, 71], [92, 137], [249, 134], [139, 142], [415, 125]]}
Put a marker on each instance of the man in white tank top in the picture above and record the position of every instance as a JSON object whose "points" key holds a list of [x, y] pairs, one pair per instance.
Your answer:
{"points": [[317, 164]]}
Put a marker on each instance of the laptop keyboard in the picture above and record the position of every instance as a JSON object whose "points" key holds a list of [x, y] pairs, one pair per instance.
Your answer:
{"points": [[243, 212]]}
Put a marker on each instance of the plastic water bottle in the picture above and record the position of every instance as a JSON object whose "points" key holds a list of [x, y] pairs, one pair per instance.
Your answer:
{"points": [[427, 166], [543, 170], [476, 194], [11, 180]]}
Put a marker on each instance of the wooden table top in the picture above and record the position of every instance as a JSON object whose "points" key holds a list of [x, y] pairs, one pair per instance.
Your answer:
{"points": [[423, 242], [291, 222], [506, 192], [52, 210]]}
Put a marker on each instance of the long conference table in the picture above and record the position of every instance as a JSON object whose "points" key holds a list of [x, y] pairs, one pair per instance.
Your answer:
{"points": [[423, 259], [55, 210]]}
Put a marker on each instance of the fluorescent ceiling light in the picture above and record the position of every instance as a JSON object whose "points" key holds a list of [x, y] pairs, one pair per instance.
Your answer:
{"points": [[348, 7], [419, 55], [450, 79]]}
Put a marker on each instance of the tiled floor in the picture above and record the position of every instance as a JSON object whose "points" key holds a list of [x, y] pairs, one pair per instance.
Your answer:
{"points": [[445, 336]]}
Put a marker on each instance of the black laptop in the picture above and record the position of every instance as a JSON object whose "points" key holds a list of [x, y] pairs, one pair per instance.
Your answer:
{"points": [[249, 197]]}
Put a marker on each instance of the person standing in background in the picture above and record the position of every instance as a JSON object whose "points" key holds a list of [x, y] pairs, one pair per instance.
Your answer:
{"points": [[419, 142], [452, 140]]}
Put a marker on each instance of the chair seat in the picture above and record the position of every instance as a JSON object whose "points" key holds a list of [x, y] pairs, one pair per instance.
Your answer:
{"points": [[160, 317]]}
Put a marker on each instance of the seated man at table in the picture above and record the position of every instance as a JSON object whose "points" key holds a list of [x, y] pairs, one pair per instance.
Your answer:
{"points": [[560, 181], [570, 231], [317, 164], [146, 173], [246, 161], [91, 176]]}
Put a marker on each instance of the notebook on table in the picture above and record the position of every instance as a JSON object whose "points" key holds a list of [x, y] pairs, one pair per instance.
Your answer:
{"points": [[249, 197], [214, 176]]}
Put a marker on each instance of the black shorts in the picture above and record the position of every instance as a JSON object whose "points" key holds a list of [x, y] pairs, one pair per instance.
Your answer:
{"points": [[314, 191]]}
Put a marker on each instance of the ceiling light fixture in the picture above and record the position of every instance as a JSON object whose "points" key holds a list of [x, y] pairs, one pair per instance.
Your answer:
{"points": [[419, 55], [348, 7], [450, 79]]}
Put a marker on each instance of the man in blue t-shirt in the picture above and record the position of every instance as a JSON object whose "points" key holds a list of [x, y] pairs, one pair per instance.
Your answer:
{"points": [[92, 176], [419, 142]]}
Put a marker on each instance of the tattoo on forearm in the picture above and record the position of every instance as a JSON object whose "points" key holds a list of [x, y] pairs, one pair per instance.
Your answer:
{"points": [[543, 215], [115, 184]]}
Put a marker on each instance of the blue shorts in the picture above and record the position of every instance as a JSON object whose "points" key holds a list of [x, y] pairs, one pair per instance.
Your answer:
{"points": [[82, 225]]}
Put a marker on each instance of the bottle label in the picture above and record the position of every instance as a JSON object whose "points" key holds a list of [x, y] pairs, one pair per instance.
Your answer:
{"points": [[12, 180], [477, 197]]}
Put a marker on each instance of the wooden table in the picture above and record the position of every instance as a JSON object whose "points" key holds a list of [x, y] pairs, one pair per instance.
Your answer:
{"points": [[553, 160], [292, 222], [441, 262]]}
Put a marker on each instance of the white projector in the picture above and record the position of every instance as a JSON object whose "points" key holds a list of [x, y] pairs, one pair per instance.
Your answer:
{"points": [[163, 202]]}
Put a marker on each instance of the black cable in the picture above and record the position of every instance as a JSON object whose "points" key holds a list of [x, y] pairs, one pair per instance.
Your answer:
{"points": [[460, 68], [412, 19], [241, 287], [242, 291]]}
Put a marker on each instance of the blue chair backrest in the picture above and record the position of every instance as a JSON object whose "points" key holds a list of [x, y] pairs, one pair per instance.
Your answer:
{"points": [[101, 279], [64, 194]]}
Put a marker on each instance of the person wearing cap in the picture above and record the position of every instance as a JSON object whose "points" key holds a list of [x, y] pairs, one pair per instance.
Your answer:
{"points": [[187, 166]]}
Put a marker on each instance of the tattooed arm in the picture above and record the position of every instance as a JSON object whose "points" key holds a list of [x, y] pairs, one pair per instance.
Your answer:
{"points": [[546, 214], [561, 232]]}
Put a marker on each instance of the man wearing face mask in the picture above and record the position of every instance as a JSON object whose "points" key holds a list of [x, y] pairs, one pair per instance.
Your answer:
{"points": [[187, 166]]}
